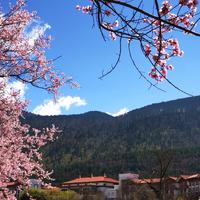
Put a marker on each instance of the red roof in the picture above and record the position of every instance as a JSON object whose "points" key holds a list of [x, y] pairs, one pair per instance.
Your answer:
{"points": [[94, 179], [187, 177], [149, 180], [173, 178]]}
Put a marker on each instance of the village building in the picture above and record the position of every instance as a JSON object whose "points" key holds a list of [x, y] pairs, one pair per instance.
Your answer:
{"points": [[89, 187], [131, 187], [35, 183], [184, 187]]}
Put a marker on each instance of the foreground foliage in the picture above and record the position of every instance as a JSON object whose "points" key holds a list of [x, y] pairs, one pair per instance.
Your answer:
{"points": [[23, 59], [50, 194]]}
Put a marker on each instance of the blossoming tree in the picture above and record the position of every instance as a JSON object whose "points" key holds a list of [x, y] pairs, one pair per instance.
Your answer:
{"points": [[22, 59], [151, 23]]}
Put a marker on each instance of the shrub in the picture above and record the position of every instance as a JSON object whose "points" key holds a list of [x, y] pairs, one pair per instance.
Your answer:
{"points": [[49, 194]]}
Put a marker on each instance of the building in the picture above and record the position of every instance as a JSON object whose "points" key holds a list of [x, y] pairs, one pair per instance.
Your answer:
{"points": [[35, 183], [92, 186], [131, 187], [184, 187]]}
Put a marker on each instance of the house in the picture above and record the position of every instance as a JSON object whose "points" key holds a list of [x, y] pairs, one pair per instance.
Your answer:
{"points": [[131, 187], [184, 187], [92, 186], [35, 183]]}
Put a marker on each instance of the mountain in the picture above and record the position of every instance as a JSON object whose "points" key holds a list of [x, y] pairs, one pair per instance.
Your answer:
{"points": [[97, 143]]}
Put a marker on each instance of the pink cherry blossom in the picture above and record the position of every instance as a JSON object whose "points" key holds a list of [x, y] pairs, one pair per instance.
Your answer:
{"points": [[147, 49], [24, 60]]}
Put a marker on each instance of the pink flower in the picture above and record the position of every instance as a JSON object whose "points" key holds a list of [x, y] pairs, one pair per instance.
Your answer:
{"points": [[147, 50], [107, 12], [113, 35], [78, 7], [86, 9]]}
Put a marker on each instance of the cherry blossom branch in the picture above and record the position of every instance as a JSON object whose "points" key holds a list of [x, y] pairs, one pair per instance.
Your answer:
{"points": [[139, 71], [126, 20], [116, 63], [148, 15]]}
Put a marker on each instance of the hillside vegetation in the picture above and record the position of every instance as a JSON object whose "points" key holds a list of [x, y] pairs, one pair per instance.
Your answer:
{"points": [[96, 143]]}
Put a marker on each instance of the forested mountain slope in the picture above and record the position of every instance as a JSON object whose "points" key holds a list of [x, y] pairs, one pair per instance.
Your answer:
{"points": [[97, 143]]}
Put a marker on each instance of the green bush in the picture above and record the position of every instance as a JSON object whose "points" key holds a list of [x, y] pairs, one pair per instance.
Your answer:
{"points": [[49, 194]]}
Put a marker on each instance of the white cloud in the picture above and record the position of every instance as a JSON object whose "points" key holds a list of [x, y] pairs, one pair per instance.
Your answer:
{"points": [[49, 107], [17, 86], [120, 112], [36, 32]]}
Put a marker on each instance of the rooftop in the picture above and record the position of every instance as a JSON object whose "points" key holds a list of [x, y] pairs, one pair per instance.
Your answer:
{"points": [[95, 179], [173, 178]]}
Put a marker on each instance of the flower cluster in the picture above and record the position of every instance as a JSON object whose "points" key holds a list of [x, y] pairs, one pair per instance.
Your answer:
{"points": [[19, 151], [111, 27], [166, 7], [165, 48], [192, 4], [85, 9], [23, 57]]}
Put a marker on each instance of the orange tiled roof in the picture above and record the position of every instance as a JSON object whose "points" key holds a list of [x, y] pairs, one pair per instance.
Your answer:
{"points": [[187, 177], [146, 180], [184, 177], [94, 179], [174, 178], [152, 180]]}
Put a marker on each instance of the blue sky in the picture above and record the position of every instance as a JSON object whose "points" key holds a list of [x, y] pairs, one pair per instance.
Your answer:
{"points": [[85, 55]]}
